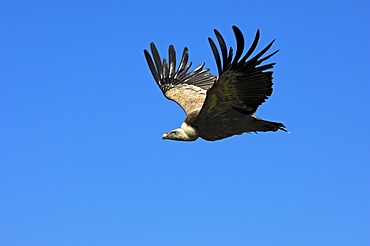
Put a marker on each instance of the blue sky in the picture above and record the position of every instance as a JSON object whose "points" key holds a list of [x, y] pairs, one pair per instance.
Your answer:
{"points": [[82, 161]]}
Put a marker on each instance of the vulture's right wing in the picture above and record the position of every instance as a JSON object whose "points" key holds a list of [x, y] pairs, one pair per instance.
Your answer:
{"points": [[186, 89]]}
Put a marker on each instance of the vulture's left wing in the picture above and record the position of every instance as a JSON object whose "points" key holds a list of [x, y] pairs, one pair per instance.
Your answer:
{"points": [[241, 87], [188, 89]]}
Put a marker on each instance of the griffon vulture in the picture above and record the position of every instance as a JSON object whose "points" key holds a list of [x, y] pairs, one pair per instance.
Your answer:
{"points": [[217, 107]]}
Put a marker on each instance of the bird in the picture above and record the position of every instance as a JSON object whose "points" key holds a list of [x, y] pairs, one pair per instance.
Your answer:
{"points": [[222, 106]]}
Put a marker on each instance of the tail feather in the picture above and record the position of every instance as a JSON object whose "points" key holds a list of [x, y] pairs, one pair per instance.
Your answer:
{"points": [[267, 126]]}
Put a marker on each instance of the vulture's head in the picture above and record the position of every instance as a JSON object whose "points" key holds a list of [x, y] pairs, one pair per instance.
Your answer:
{"points": [[185, 133]]}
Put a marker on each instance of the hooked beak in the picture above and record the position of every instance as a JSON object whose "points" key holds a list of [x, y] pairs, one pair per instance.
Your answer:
{"points": [[164, 136]]}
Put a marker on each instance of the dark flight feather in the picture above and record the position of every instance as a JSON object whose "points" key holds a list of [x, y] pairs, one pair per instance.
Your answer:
{"points": [[216, 55], [253, 46]]}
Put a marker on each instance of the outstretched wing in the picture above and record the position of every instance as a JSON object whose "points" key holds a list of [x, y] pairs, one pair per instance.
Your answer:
{"points": [[188, 89], [241, 87]]}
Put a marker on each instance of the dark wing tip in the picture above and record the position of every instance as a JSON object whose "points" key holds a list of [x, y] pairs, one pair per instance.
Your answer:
{"points": [[239, 44], [236, 29], [165, 73], [225, 60], [152, 67], [171, 60], [216, 54]]}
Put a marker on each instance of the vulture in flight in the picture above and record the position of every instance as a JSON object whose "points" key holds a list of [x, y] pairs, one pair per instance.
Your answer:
{"points": [[220, 106]]}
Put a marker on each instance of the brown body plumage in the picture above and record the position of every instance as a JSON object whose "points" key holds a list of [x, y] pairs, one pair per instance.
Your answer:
{"points": [[217, 107]]}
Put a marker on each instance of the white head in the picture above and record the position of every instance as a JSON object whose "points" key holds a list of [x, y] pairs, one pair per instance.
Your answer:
{"points": [[185, 133]]}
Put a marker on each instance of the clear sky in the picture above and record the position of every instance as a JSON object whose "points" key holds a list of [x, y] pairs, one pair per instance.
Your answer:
{"points": [[82, 161]]}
